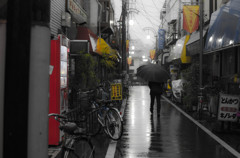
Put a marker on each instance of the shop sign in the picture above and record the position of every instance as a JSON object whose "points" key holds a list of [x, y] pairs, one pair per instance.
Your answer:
{"points": [[116, 91], [77, 11], [228, 107]]}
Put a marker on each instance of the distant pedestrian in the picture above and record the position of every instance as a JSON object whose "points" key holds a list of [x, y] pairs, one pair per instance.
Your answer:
{"points": [[156, 90]]}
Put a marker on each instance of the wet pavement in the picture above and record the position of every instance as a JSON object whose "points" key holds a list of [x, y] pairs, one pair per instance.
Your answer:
{"points": [[171, 135]]}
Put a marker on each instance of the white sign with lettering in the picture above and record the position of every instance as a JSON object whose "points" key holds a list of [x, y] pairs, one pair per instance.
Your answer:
{"points": [[228, 107]]}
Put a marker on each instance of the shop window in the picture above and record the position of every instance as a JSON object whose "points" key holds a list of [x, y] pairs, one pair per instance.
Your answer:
{"points": [[228, 62], [216, 65], [238, 61]]}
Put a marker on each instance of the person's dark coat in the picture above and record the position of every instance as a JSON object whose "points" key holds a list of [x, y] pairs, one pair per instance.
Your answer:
{"points": [[156, 87]]}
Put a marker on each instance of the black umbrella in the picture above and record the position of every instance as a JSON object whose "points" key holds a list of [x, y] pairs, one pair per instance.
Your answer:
{"points": [[153, 72]]}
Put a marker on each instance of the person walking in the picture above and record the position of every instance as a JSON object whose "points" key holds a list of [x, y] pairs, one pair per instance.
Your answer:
{"points": [[156, 90]]}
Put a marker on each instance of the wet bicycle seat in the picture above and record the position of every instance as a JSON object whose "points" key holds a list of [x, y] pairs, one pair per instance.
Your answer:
{"points": [[71, 128]]}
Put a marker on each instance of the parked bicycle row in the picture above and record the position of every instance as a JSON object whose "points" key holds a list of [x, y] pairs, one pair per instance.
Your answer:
{"points": [[93, 113]]}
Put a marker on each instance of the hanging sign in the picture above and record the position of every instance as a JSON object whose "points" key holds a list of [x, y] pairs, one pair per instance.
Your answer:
{"points": [[129, 61], [228, 107], [190, 18], [152, 53], [161, 38], [127, 45]]}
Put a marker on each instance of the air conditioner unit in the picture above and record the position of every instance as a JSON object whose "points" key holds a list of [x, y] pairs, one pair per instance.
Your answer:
{"points": [[66, 19]]}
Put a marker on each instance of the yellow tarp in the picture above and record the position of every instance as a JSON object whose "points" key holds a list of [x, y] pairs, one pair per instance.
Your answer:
{"points": [[104, 49]]}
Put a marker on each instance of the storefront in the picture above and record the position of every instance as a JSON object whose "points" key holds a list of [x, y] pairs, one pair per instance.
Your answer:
{"points": [[221, 56], [178, 51], [222, 44], [178, 55]]}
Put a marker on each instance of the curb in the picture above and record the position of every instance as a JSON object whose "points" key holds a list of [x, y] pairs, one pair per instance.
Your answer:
{"points": [[113, 144], [216, 138]]}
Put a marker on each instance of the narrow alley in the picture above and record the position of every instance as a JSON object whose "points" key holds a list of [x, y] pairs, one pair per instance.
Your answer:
{"points": [[171, 135]]}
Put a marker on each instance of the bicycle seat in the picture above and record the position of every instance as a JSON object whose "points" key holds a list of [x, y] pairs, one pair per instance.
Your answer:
{"points": [[71, 128]]}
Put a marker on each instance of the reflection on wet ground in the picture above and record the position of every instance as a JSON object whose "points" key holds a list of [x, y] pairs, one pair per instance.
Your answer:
{"points": [[171, 135]]}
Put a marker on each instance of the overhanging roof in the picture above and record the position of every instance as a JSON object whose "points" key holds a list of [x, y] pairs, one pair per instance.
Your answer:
{"points": [[224, 29]]}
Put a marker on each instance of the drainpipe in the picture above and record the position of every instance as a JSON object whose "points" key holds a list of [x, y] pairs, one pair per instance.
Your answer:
{"points": [[99, 28], [179, 18], [99, 18]]}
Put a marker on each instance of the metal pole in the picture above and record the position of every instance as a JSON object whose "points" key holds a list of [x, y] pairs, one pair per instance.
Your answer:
{"points": [[39, 80], [124, 63], [201, 47]]}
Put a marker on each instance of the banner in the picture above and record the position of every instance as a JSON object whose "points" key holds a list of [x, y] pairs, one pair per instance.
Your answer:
{"points": [[127, 45], [152, 53], [161, 39], [129, 61], [190, 18]]}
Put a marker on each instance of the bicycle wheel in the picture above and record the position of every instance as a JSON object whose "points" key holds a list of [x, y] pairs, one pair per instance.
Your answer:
{"points": [[81, 148], [114, 124], [92, 125]]}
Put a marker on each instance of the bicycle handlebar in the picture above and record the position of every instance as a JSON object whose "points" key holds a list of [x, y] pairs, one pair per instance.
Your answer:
{"points": [[56, 116]]}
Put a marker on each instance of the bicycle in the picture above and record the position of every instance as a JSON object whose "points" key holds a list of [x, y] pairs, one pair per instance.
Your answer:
{"points": [[108, 117], [75, 143], [202, 102]]}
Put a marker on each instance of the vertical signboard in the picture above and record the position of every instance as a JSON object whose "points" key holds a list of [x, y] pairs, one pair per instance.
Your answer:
{"points": [[228, 107], [161, 39], [116, 91]]}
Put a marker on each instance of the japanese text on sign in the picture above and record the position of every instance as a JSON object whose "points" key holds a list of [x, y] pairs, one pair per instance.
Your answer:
{"points": [[116, 91], [228, 107]]}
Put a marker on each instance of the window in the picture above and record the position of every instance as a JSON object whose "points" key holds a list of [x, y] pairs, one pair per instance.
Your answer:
{"points": [[228, 62]]}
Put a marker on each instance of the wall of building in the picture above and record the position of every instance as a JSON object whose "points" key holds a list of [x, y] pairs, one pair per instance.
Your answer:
{"points": [[172, 10], [57, 7]]}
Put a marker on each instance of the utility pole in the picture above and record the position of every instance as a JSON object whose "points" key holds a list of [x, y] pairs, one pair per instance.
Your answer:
{"points": [[201, 48], [124, 56]]}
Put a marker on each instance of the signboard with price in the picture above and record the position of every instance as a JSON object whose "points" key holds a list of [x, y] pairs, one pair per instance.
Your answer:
{"points": [[116, 91], [228, 107]]}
